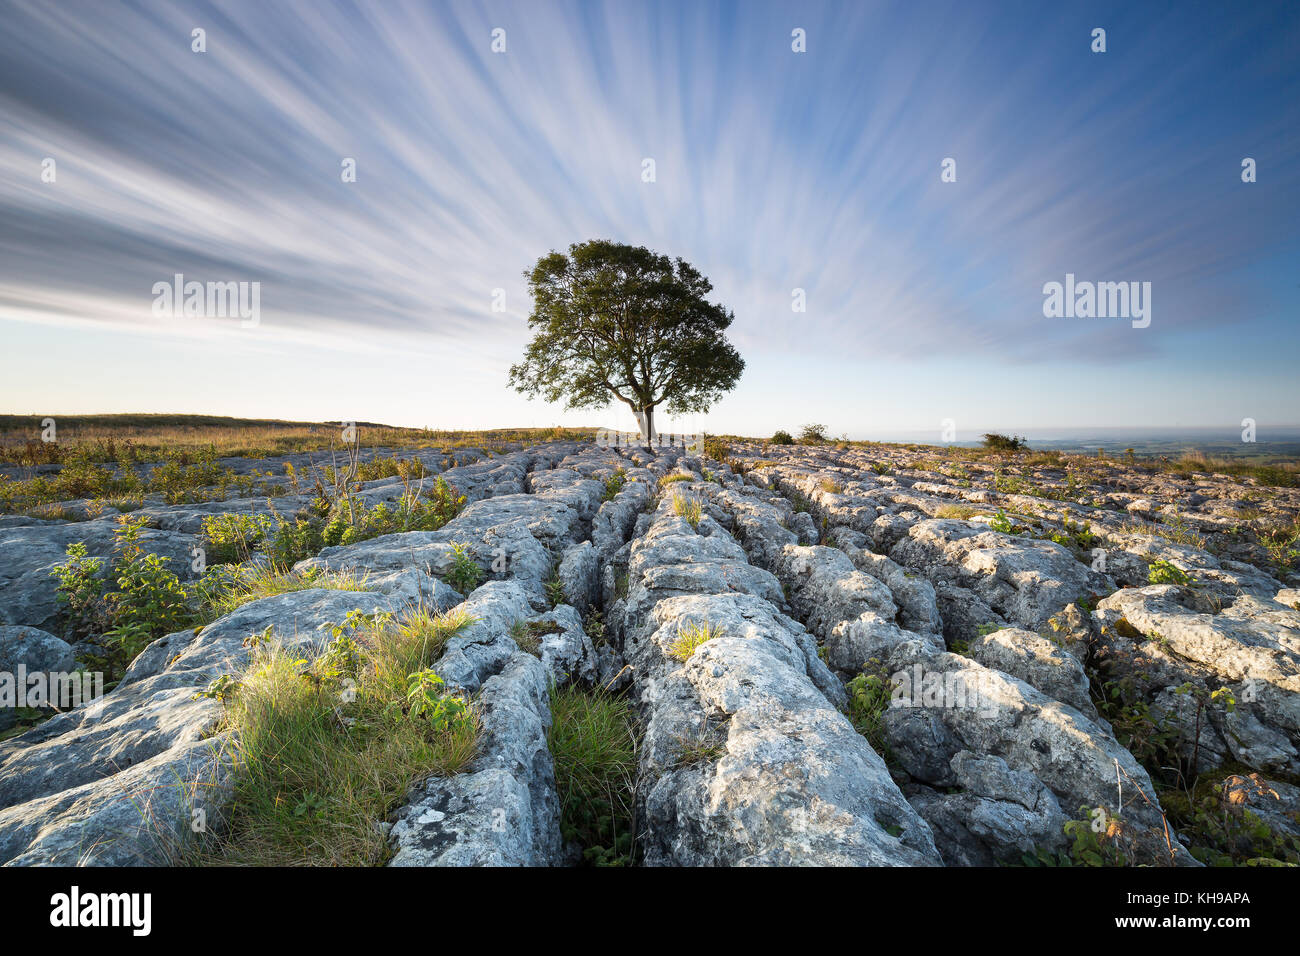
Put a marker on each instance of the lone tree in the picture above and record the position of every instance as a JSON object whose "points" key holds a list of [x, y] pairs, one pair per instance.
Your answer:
{"points": [[617, 321]]}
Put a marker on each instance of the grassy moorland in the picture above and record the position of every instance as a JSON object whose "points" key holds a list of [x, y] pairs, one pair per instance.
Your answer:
{"points": [[148, 438], [119, 460]]}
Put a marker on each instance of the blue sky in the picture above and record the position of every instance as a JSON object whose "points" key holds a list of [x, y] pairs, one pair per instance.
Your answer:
{"points": [[775, 170]]}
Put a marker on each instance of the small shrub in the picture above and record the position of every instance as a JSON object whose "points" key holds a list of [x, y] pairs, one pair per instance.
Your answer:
{"points": [[869, 697], [464, 574], [997, 442], [812, 434], [1001, 523], [1162, 572], [614, 484], [780, 437]]}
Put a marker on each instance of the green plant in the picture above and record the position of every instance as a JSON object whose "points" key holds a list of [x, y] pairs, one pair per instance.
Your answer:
{"points": [[322, 750], [688, 507], [233, 537], [1096, 838], [425, 699], [780, 437], [614, 484], [1216, 816], [131, 605], [812, 434], [1002, 524], [464, 574], [997, 442], [869, 697], [554, 587], [593, 741], [690, 636], [80, 594], [1162, 572], [715, 448]]}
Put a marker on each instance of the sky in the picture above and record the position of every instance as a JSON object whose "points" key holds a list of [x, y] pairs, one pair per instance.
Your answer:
{"points": [[400, 297]]}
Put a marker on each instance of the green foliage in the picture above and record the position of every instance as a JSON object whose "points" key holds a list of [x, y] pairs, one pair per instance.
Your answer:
{"points": [[812, 434], [1096, 838], [593, 740], [997, 442], [80, 594], [869, 697], [1075, 535], [464, 574], [425, 699], [1002, 523], [614, 484], [554, 587], [716, 449], [1162, 572], [1223, 830], [341, 520], [781, 437], [138, 601], [233, 536], [690, 636], [323, 750], [614, 320]]}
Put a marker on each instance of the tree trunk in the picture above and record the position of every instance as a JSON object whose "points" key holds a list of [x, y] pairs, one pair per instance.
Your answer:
{"points": [[645, 420]]}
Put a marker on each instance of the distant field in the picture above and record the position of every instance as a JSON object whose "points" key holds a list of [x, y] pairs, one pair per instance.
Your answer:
{"points": [[143, 438]]}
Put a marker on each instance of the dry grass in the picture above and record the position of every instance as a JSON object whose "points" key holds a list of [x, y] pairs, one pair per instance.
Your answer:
{"points": [[113, 438]]}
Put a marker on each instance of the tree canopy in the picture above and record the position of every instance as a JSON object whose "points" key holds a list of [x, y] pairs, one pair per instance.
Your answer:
{"points": [[614, 321]]}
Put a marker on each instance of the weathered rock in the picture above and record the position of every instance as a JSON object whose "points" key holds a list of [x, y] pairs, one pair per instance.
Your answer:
{"points": [[503, 810], [1037, 661], [945, 704]]}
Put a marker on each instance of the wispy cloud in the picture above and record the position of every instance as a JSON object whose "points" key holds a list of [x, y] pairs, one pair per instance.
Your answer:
{"points": [[775, 170]]}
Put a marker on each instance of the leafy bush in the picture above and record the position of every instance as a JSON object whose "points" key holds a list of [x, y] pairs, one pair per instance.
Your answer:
{"points": [[130, 605], [1002, 523], [812, 434], [869, 696], [1162, 572], [716, 448], [996, 442], [464, 574], [149, 602], [343, 520], [80, 594], [614, 484], [233, 537], [781, 437]]}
